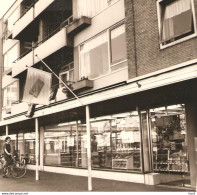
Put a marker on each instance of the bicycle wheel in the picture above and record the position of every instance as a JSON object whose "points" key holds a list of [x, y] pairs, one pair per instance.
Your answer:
{"points": [[19, 169]]}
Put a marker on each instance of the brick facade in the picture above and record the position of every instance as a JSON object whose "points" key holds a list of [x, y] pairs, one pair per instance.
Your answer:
{"points": [[144, 53]]}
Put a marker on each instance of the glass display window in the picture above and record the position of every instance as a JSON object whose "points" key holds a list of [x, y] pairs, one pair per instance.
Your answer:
{"points": [[169, 139], [60, 146], [115, 142]]}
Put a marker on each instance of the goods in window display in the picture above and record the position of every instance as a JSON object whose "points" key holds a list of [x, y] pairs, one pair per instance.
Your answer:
{"points": [[169, 144]]}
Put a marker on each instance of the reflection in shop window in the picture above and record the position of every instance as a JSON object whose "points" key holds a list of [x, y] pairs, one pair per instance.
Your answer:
{"points": [[60, 147]]}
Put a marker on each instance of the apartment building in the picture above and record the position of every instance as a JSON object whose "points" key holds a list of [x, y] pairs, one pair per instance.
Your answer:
{"points": [[132, 62]]}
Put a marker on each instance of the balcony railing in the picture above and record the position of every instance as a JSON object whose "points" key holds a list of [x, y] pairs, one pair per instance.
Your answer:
{"points": [[63, 25]]}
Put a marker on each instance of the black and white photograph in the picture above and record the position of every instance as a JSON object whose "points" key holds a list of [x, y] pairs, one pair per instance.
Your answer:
{"points": [[98, 96]]}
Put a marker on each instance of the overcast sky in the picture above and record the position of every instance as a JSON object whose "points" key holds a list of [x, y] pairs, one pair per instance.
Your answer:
{"points": [[4, 6]]}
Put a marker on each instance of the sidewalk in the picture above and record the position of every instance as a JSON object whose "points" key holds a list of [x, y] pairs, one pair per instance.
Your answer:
{"points": [[53, 182]]}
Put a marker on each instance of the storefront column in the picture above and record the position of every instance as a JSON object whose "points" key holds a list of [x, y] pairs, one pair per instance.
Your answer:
{"points": [[42, 148], [77, 140], [37, 148], [6, 131], [191, 120], [89, 148]]}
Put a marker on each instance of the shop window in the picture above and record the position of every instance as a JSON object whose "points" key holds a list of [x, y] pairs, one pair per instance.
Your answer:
{"points": [[118, 44], [10, 94], [115, 142], [94, 57], [169, 143], [26, 147], [67, 74], [60, 147], [176, 19]]}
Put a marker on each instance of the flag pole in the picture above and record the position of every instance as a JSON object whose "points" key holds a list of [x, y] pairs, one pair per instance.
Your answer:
{"points": [[59, 79]]}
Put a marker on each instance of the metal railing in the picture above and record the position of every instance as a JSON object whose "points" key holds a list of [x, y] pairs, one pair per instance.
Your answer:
{"points": [[62, 25]]}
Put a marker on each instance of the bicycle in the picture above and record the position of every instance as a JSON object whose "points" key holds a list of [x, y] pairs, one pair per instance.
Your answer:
{"points": [[17, 169]]}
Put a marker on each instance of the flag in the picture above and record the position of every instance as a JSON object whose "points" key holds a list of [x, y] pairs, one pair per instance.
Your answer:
{"points": [[37, 87]]}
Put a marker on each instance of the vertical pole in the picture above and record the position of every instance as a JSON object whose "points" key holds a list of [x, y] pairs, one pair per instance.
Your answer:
{"points": [[77, 140], [6, 131], [37, 148], [89, 148], [42, 148]]}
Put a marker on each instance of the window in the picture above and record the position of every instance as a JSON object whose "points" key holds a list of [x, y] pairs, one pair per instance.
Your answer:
{"points": [[118, 44], [103, 54], [11, 56], [67, 74], [10, 94], [60, 146], [94, 57], [176, 20], [116, 142], [169, 139]]}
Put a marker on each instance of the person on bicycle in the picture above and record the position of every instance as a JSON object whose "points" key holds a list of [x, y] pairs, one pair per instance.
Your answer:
{"points": [[7, 155]]}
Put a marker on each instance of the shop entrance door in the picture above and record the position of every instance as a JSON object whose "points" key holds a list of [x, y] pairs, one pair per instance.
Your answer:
{"points": [[169, 144]]}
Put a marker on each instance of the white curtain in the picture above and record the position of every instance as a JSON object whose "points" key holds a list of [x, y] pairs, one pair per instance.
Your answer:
{"points": [[172, 10], [90, 8], [94, 57]]}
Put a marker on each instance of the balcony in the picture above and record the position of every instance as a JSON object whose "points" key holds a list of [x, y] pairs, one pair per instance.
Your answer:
{"points": [[41, 5], [22, 23], [43, 49], [32, 12], [48, 47], [78, 25]]}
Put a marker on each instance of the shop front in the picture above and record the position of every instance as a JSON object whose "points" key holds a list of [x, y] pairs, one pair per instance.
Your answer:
{"points": [[150, 142]]}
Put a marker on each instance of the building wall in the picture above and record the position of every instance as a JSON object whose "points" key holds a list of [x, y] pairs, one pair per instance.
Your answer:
{"points": [[145, 55]]}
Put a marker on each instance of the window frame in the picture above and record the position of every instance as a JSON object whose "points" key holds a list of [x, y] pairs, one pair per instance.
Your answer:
{"points": [[17, 92], [110, 64], [185, 38], [67, 72], [110, 46]]}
